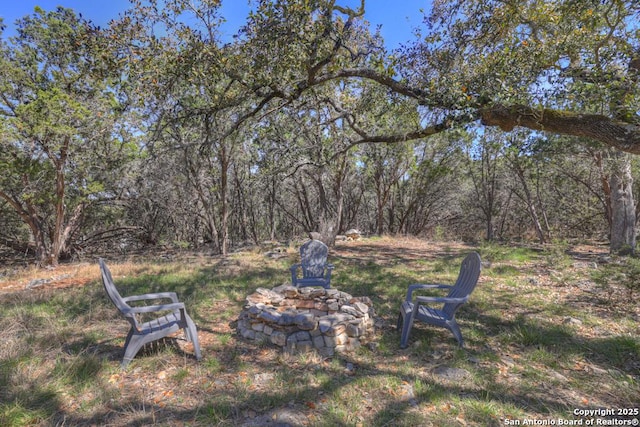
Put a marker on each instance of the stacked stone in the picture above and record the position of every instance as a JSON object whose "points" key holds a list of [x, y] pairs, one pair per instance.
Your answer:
{"points": [[306, 319]]}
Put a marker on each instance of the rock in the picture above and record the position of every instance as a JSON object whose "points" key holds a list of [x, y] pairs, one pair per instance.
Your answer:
{"points": [[558, 376], [451, 374], [572, 321], [264, 379], [508, 361], [279, 338], [266, 296], [361, 307], [351, 310], [270, 315], [407, 394], [305, 319], [353, 234], [281, 417]]}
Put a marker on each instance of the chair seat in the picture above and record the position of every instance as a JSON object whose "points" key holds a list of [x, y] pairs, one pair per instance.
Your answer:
{"points": [[161, 323], [312, 281], [426, 313]]}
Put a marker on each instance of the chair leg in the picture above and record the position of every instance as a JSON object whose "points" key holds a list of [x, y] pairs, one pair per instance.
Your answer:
{"points": [[192, 335], [133, 345], [455, 329], [407, 322]]}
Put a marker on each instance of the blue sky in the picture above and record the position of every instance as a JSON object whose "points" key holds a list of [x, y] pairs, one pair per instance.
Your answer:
{"points": [[397, 17]]}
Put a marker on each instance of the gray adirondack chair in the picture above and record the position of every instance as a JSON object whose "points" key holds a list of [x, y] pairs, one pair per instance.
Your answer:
{"points": [[313, 263], [417, 308], [173, 317]]}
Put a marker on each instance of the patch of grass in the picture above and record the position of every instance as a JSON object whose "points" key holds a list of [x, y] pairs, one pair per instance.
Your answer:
{"points": [[484, 413], [505, 270], [217, 411], [212, 365], [181, 375], [618, 351], [77, 372], [26, 401], [555, 256], [15, 414], [493, 252], [535, 335]]}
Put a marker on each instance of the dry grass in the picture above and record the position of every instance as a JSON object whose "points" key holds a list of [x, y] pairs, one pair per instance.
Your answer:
{"points": [[542, 339]]}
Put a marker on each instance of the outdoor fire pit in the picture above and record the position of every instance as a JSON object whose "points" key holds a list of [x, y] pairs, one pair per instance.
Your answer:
{"points": [[306, 319]]}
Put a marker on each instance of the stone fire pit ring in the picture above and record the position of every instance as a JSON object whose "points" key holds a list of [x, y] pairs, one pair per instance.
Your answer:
{"points": [[300, 320]]}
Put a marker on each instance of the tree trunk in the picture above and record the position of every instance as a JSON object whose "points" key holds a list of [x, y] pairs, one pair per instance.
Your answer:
{"points": [[327, 229], [606, 187], [380, 202], [272, 208], [57, 239], [527, 198], [623, 218], [224, 198], [327, 223]]}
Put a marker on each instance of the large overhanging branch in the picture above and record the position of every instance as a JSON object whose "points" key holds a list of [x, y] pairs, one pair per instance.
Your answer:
{"points": [[406, 136], [365, 137], [424, 132], [615, 133], [397, 86]]}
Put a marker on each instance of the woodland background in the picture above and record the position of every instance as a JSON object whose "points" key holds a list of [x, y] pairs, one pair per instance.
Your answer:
{"points": [[501, 120]]}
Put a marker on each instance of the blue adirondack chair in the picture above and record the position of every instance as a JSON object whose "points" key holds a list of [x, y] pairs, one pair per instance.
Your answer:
{"points": [[173, 318], [313, 263], [418, 308]]}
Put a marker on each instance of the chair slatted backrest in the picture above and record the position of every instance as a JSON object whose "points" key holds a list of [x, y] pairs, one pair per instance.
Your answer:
{"points": [[313, 257], [114, 295], [466, 282]]}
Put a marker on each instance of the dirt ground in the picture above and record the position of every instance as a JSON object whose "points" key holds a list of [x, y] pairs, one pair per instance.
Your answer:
{"points": [[17, 274]]}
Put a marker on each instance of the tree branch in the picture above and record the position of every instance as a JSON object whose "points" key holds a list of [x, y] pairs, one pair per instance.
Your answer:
{"points": [[615, 133]]}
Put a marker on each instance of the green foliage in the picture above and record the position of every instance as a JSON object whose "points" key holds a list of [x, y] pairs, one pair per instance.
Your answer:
{"points": [[63, 133], [304, 121]]}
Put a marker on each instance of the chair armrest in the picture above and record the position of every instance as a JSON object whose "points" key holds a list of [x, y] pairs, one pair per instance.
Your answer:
{"points": [[160, 295], [294, 273], [418, 286], [154, 308], [422, 299], [328, 269]]}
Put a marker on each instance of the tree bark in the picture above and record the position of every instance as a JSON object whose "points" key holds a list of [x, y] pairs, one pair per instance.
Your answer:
{"points": [[623, 236], [612, 132], [224, 198]]}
